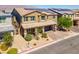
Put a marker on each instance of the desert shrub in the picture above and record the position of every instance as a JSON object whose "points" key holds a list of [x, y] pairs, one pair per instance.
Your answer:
{"points": [[0, 53], [3, 47], [44, 35], [37, 38], [12, 51], [39, 30], [47, 39], [34, 44]]}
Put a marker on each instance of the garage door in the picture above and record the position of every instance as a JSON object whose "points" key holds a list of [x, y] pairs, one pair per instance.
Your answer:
{"points": [[48, 28]]}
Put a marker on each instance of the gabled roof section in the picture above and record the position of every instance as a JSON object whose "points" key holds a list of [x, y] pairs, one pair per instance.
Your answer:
{"points": [[43, 10], [76, 11], [23, 12], [61, 11]]}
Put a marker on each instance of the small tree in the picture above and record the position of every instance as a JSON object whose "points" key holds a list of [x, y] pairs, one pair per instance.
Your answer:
{"points": [[7, 38], [28, 38], [67, 23], [64, 22]]}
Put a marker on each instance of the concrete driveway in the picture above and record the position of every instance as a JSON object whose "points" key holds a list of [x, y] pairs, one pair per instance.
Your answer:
{"points": [[68, 46], [59, 34], [75, 29]]}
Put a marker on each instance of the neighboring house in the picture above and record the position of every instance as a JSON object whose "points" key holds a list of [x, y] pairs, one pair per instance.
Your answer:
{"points": [[26, 21], [76, 18], [5, 23], [63, 12]]}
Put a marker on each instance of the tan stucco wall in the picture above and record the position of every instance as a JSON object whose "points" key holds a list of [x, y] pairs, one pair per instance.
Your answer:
{"points": [[51, 18], [38, 17]]}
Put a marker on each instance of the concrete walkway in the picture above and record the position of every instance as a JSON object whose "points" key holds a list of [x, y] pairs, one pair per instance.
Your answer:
{"points": [[19, 42]]}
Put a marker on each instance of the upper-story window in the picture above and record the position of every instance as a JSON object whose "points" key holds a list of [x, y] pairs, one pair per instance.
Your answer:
{"points": [[32, 18], [68, 15], [64, 15], [71, 15], [42, 17], [25, 18], [2, 19]]}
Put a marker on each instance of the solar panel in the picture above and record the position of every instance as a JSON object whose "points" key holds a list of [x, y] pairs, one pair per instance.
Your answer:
{"points": [[62, 11], [41, 9]]}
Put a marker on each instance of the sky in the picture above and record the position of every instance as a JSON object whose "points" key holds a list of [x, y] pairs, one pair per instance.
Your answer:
{"points": [[41, 6], [58, 6]]}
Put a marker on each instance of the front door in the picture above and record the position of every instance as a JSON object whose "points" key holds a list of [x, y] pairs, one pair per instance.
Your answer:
{"points": [[31, 31]]}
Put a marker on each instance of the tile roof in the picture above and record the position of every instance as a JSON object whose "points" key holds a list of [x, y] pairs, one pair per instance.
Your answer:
{"points": [[43, 10], [76, 11], [37, 24], [24, 11], [4, 28]]}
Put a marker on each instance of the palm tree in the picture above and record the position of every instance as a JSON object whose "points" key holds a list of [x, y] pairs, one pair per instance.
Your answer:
{"points": [[28, 38]]}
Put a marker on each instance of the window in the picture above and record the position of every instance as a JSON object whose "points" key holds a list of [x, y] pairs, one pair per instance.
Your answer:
{"points": [[2, 19], [68, 15], [42, 17], [25, 18], [64, 15], [32, 18], [71, 15]]}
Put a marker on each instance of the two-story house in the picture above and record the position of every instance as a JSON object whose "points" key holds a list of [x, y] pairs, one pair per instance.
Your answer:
{"points": [[5, 23], [26, 21], [63, 13]]}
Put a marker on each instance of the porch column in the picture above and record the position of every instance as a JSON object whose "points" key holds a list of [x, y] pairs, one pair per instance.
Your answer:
{"points": [[25, 32], [54, 27], [12, 34], [36, 32], [43, 29]]}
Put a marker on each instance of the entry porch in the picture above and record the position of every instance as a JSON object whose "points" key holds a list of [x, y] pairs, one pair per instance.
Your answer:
{"points": [[35, 31], [33, 27]]}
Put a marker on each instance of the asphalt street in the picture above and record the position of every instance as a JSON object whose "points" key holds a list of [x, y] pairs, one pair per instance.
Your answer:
{"points": [[68, 46]]}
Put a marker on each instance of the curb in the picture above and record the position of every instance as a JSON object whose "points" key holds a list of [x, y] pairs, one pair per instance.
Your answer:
{"points": [[34, 49]]}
